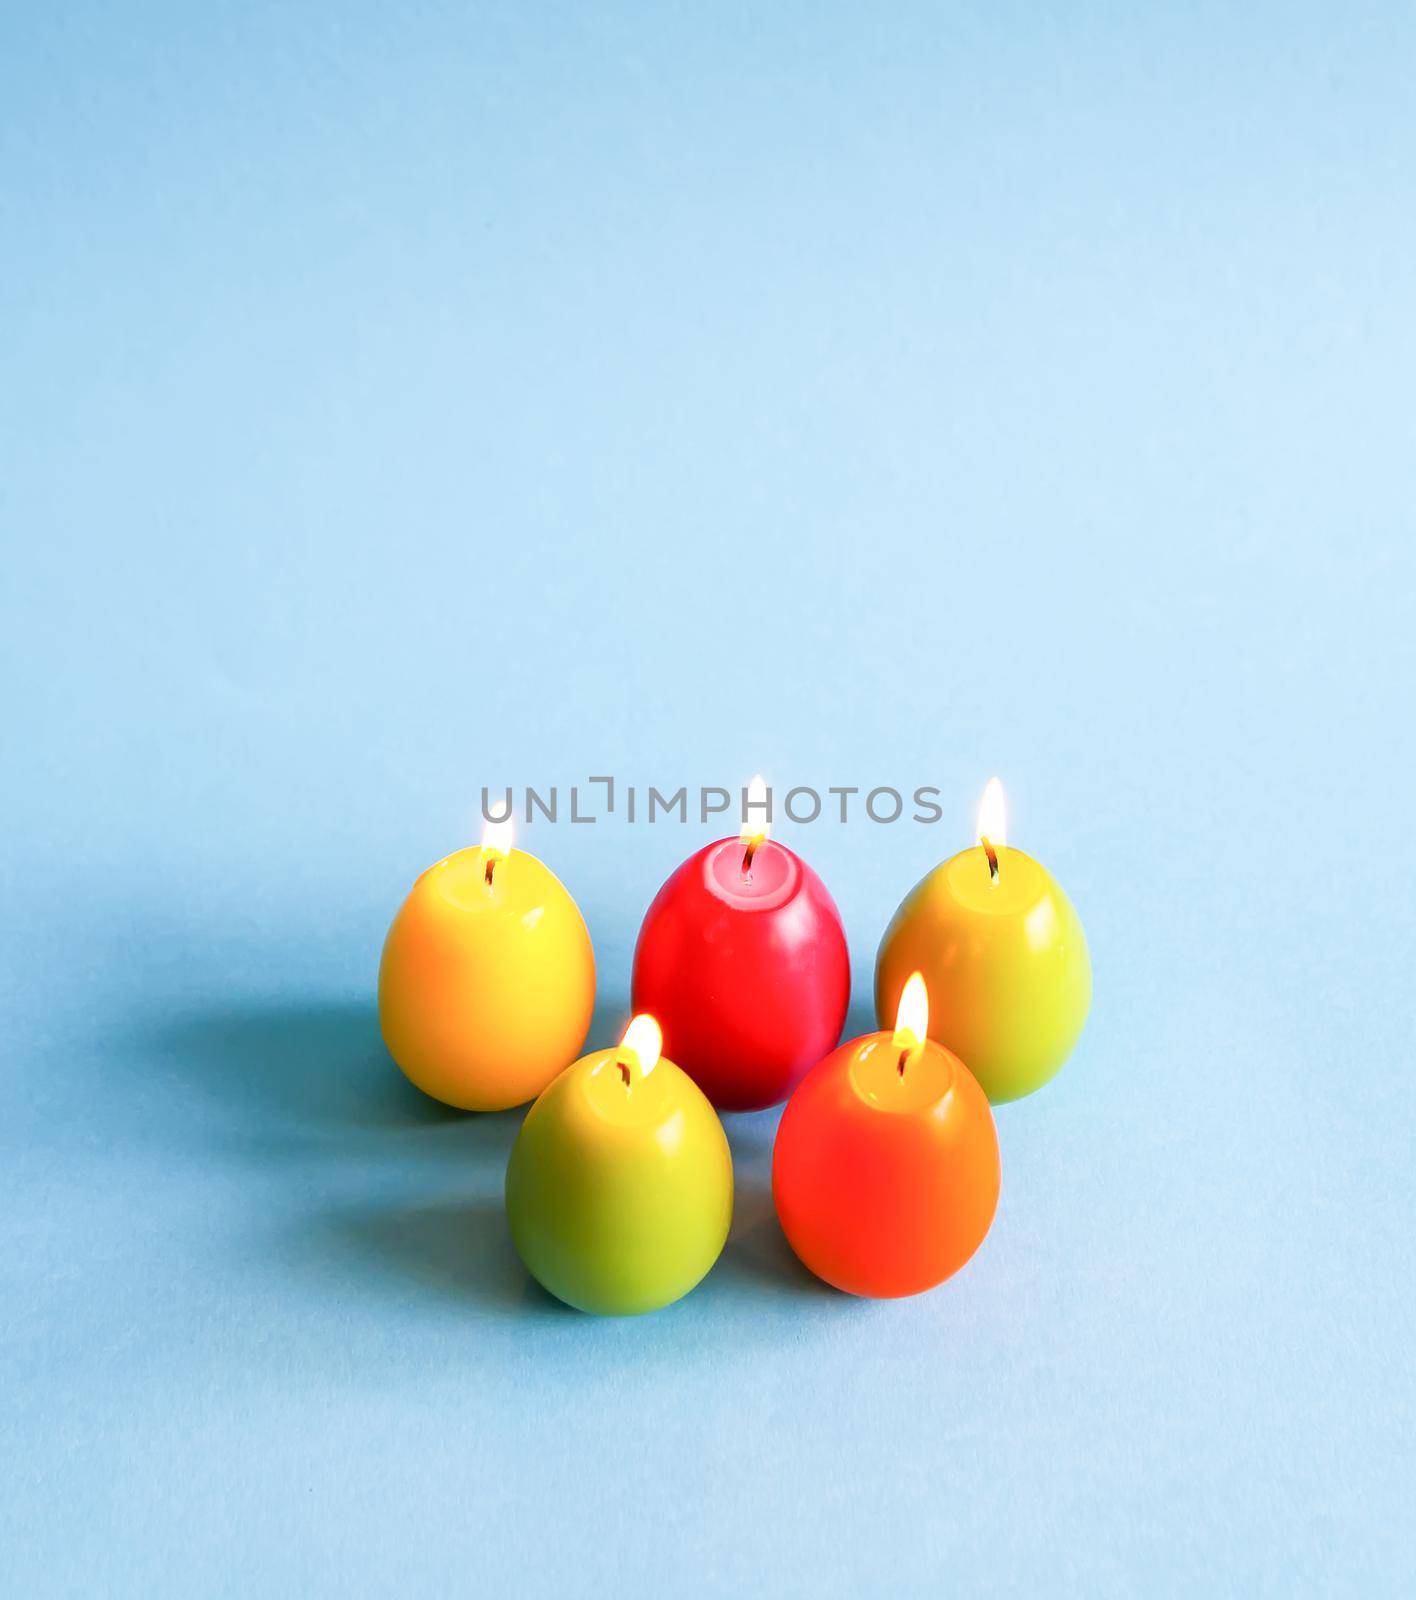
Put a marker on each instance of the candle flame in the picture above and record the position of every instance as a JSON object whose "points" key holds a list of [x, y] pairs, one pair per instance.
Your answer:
{"points": [[497, 837], [993, 816], [643, 1042], [912, 1015], [754, 826]]}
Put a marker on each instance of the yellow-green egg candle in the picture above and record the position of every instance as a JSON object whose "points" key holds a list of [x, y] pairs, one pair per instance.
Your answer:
{"points": [[1004, 958], [619, 1189]]}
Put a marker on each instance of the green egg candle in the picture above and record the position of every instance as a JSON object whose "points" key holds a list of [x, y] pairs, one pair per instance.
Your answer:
{"points": [[619, 1189]]}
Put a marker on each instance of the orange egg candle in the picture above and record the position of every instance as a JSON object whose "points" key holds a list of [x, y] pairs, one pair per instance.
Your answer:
{"points": [[1003, 954], [885, 1171], [488, 977]]}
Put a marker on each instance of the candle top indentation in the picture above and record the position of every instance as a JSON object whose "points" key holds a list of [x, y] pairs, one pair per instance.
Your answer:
{"points": [[773, 877]]}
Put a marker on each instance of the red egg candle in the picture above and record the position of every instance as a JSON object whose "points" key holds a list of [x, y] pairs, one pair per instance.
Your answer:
{"points": [[742, 958], [885, 1171]]}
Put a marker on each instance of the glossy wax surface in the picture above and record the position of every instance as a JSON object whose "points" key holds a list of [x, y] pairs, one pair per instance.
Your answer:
{"points": [[620, 1195], [486, 990], [748, 974], [886, 1182], [1005, 962]]}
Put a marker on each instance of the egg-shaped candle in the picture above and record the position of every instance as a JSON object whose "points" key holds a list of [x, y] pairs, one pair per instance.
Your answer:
{"points": [[743, 959], [885, 1172], [1004, 955], [619, 1189], [487, 980]]}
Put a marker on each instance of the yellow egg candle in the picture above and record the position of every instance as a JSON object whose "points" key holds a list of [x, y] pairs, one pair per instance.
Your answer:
{"points": [[1003, 955], [488, 977]]}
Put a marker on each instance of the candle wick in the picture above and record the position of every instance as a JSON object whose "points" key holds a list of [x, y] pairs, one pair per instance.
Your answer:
{"points": [[491, 866], [624, 1071], [992, 855], [904, 1057], [749, 851]]}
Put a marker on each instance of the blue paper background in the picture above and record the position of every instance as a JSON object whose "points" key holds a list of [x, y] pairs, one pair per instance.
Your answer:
{"points": [[397, 399]]}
